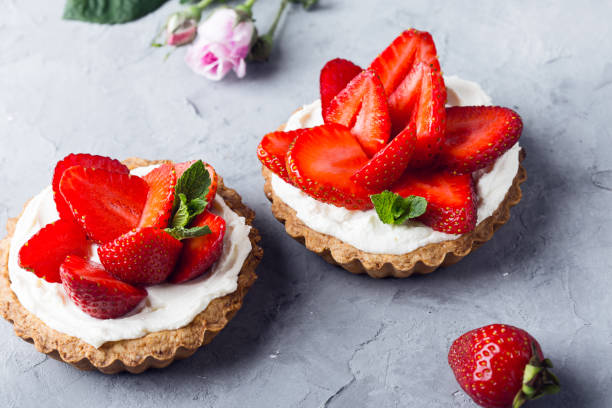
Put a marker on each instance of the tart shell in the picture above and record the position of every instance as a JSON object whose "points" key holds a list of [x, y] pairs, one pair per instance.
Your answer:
{"points": [[158, 349], [422, 260]]}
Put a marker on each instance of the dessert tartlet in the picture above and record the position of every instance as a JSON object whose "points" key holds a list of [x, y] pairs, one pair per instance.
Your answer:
{"points": [[397, 169], [127, 266]]}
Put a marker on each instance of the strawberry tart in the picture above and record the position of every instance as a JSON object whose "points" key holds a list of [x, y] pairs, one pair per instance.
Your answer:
{"points": [[397, 169], [125, 266]]}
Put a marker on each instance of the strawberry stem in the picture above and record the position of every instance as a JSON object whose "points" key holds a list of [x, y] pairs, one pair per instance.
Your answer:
{"points": [[537, 380]]}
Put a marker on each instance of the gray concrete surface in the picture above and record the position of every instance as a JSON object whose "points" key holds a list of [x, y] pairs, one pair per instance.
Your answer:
{"points": [[310, 334]]}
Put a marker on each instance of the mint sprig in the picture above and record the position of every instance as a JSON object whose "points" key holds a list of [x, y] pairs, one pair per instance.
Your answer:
{"points": [[194, 183], [189, 201], [395, 209]]}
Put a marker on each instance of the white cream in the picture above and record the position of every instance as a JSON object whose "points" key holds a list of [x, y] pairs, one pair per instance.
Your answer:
{"points": [[167, 307], [363, 229]]}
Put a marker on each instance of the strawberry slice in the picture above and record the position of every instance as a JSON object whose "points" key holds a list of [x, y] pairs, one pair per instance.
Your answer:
{"points": [[200, 253], [85, 160], [158, 208], [144, 256], [321, 162], [451, 199], [46, 250], [389, 164], [272, 151], [410, 73], [421, 98], [396, 61], [362, 106], [477, 135], [180, 168], [95, 291], [106, 204], [335, 75]]}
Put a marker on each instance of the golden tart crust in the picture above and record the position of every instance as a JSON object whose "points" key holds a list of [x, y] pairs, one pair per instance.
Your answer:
{"points": [[422, 260], [157, 349]]}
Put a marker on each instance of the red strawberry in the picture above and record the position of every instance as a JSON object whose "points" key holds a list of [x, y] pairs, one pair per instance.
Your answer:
{"points": [[158, 207], [85, 160], [321, 162], [389, 164], [362, 106], [397, 60], [500, 366], [46, 250], [410, 72], [334, 77], [272, 151], [180, 168], [477, 135], [451, 199], [95, 291], [106, 204], [421, 98], [200, 253], [144, 256]]}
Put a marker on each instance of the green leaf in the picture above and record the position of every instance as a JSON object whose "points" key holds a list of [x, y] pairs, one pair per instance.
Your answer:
{"points": [[308, 4], [395, 209], [181, 216], [185, 233], [194, 182], [196, 207], [189, 201], [109, 11]]}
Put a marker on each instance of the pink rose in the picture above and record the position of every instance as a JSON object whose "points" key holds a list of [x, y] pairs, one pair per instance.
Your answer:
{"points": [[221, 45]]}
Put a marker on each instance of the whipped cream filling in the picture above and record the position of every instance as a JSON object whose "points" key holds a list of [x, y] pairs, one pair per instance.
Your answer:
{"points": [[363, 229], [168, 306]]}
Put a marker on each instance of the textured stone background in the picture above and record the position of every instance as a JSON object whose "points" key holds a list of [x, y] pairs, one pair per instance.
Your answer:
{"points": [[309, 334]]}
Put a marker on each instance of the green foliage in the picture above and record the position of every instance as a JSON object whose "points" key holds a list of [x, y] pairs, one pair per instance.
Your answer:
{"points": [[109, 11]]}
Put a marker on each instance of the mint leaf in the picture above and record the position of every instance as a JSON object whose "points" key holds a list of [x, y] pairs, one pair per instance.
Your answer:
{"points": [[109, 11], [395, 209], [185, 233], [194, 182], [181, 216], [189, 201], [195, 207]]}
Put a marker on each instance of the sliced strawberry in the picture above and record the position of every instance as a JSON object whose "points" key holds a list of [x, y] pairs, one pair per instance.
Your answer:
{"points": [[410, 72], [95, 291], [425, 106], [451, 199], [477, 135], [46, 250], [200, 253], [335, 75], [389, 164], [144, 256], [158, 207], [396, 61], [85, 160], [362, 107], [321, 162], [272, 151], [180, 168], [106, 204]]}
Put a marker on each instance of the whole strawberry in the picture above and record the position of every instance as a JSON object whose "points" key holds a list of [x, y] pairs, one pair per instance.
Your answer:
{"points": [[501, 366]]}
